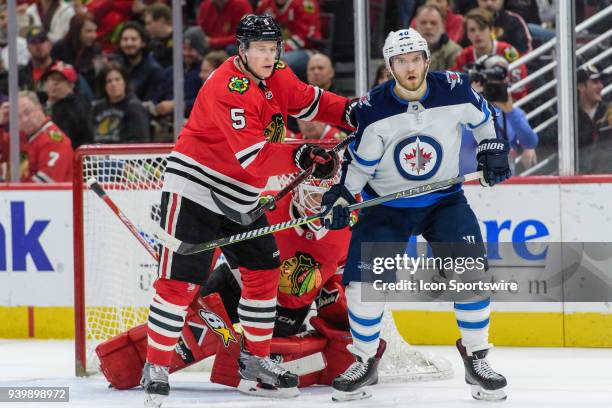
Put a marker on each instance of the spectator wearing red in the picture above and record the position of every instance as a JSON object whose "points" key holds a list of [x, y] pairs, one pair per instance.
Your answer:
{"points": [[479, 30], [301, 24], [69, 110], [110, 15], [219, 19], [453, 23], [46, 152], [509, 27], [79, 48]]}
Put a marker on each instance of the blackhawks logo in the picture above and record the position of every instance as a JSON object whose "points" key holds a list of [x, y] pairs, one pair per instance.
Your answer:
{"points": [[238, 84], [300, 274], [55, 135], [280, 65], [275, 131]]}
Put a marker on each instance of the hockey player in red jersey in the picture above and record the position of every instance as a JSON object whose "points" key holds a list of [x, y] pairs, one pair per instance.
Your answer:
{"points": [[231, 144], [312, 261]]}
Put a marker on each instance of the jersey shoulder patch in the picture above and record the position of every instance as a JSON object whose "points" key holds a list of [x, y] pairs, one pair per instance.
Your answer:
{"points": [[280, 65], [56, 135], [238, 84], [453, 79]]}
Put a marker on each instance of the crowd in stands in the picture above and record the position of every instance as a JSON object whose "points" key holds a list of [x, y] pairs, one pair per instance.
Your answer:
{"points": [[101, 70]]}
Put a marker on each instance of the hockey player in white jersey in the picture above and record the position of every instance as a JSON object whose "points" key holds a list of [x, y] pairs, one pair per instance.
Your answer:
{"points": [[409, 133]]}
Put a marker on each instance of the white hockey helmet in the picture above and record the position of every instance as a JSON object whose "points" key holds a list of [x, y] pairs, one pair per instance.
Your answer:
{"points": [[403, 41]]}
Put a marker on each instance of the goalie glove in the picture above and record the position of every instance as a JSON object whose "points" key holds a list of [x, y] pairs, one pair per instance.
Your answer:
{"points": [[492, 158], [335, 214]]}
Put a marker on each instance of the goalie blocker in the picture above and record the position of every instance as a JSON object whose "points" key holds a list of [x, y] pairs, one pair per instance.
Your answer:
{"points": [[316, 356]]}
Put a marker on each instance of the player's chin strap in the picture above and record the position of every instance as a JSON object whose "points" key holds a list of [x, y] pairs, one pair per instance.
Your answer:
{"points": [[245, 62]]}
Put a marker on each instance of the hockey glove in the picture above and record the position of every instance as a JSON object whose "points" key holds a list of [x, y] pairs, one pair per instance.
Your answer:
{"points": [[334, 203], [326, 162], [492, 158], [350, 113]]}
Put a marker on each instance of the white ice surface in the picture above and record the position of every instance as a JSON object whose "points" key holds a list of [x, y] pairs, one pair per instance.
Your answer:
{"points": [[538, 378]]}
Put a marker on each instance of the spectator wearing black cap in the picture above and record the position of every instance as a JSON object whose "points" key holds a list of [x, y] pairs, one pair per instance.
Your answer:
{"points": [[592, 120], [69, 111], [193, 52], [158, 22], [144, 73], [41, 60]]}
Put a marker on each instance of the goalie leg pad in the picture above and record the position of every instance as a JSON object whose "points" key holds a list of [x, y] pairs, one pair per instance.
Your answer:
{"points": [[123, 356]]}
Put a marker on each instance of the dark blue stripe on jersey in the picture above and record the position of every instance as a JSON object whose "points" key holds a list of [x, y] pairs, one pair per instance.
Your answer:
{"points": [[364, 321], [246, 156], [483, 304], [473, 325], [420, 201], [365, 338], [213, 178], [190, 177], [361, 161]]}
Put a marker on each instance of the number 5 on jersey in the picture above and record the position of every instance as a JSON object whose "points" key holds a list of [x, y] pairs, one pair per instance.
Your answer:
{"points": [[238, 120]]}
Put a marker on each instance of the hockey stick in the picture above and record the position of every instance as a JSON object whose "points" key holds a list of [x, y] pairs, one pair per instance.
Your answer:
{"points": [[270, 202], [185, 248], [93, 184]]}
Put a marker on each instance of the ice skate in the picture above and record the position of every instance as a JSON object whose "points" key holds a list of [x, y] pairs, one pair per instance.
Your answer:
{"points": [[350, 385], [155, 383], [263, 377], [485, 383]]}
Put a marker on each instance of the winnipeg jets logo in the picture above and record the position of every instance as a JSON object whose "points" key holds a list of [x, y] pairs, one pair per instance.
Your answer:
{"points": [[418, 157], [453, 78]]}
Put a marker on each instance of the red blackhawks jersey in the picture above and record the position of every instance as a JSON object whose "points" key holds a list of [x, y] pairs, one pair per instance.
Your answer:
{"points": [[307, 263], [233, 140], [47, 156], [467, 57], [299, 19]]}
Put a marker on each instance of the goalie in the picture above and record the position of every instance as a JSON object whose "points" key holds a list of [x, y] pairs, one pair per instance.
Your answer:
{"points": [[312, 261]]}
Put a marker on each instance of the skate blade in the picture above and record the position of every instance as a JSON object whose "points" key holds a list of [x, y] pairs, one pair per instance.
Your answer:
{"points": [[154, 400], [341, 396], [481, 394], [267, 391]]}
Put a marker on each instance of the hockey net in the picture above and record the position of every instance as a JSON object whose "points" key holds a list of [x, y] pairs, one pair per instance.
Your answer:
{"points": [[114, 273]]}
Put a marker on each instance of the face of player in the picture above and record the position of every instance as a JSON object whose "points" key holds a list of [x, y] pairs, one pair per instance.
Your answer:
{"points": [[479, 37], [88, 33], [429, 24], [409, 69], [131, 43], [31, 116], [261, 57], [491, 5], [58, 87], [115, 86], [320, 71]]}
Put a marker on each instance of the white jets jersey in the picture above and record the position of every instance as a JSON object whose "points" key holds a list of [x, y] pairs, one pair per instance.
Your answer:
{"points": [[402, 144]]}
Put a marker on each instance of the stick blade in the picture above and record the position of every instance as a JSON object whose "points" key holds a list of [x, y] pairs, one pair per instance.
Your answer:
{"points": [[233, 215]]}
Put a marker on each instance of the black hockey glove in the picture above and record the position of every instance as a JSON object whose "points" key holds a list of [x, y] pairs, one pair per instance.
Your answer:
{"points": [[492, 158], [334, 205], [326, 162], [350, 114]]}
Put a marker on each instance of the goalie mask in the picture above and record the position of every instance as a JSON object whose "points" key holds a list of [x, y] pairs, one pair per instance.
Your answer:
{"points": [[307, 201]]}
